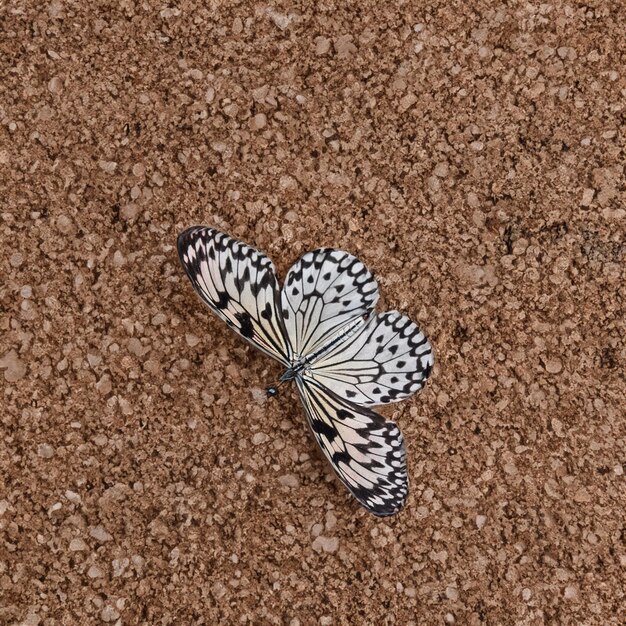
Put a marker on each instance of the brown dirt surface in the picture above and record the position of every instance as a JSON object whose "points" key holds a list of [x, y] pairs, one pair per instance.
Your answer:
{"points": [[470, 153]]}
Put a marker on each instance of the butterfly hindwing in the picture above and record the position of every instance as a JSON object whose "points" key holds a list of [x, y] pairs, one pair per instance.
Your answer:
{"points": [[239, 284], [387, 360], [366, 451], [324, 291]]}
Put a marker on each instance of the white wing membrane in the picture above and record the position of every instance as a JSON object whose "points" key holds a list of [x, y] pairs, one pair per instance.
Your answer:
{"points": [[239, 284], [365, 450], [324, 291], [387, 360]]}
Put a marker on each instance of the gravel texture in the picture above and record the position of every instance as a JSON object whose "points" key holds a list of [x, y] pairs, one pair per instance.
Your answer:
{"points": [[470, 153]]}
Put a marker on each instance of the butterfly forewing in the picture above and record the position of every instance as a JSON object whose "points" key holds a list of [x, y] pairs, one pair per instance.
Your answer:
{"points": [[324, 291], [365, 450], [387, 360], [239, 284]]}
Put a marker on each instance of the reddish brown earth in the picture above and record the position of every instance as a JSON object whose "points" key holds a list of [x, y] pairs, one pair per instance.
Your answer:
{"points": [[472, 155]]}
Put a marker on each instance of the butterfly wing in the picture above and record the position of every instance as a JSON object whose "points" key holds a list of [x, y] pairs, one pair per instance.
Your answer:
{"points": [[365, 450], [239, 285], [386, 360], [324, 291]]}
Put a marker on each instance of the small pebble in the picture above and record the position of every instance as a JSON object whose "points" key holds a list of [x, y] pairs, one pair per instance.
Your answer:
{"points": [[258, 122], [345, 47], [587, 198], [259, 438], [158, 319], [55, 85], [14, 368], [553, 366], [192, 340], [407, 102], [108, 166], [109, 613], [73, 497], [325, 544], [104, 385], [99, 534], [289, 480], [45, 451], [322, 46], [218, 590], [78, 545], [452, 593]]}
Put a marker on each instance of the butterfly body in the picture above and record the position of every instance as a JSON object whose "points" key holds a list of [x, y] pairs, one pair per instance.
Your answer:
{"points": [[343, 357], [300, 365], [293, 371]]}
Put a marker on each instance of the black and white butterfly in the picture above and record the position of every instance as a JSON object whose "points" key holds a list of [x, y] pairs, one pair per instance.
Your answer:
{"points": [[343, 357]]}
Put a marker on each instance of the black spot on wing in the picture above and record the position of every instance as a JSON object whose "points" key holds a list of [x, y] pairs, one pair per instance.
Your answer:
{"points": [[245, 323], [223, 300], [266, 313], [242, 279], [266, 280], [341, 457], [322, 428]]}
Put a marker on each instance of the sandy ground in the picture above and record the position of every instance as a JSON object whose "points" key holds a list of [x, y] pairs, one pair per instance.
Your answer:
{"points": [[472, 155]]}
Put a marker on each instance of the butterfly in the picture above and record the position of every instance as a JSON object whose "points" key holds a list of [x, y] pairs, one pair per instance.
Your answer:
{"points": [[342, 356]]}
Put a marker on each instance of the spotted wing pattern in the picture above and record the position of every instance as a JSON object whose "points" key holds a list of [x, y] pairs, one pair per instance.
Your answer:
{"points": [[324, 291], [387, 360], [365, 450], [239, 285]]}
